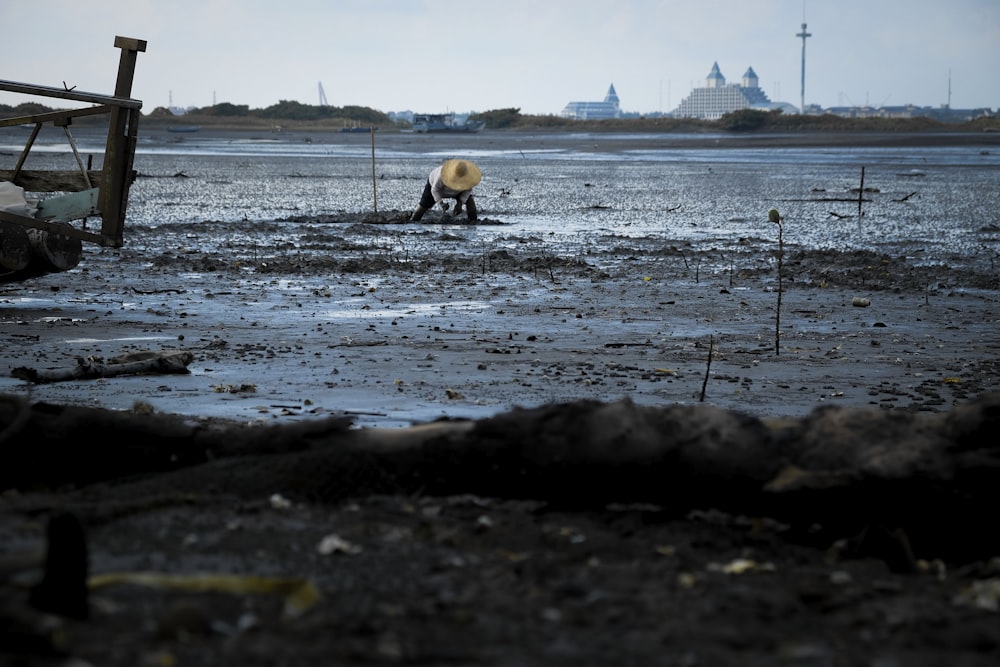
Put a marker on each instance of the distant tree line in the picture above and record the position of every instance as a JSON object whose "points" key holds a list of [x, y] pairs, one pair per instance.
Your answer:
{"points": [[306, 116]]}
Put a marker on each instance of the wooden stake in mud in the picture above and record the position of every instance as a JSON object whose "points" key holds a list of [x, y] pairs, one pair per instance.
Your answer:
{"points": [[708, 367], [774, 216], [371, 130], [861, 191], [119, 152]]}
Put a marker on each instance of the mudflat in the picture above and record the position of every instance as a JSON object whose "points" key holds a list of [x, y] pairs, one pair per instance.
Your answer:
{"points": [[355, 313], [292, 335]]}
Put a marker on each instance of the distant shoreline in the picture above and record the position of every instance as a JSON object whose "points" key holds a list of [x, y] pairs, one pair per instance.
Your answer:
{"points": [[567, 138], [636, 139]]}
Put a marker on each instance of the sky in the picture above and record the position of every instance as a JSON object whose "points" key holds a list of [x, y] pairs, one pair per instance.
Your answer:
{"points": [[436, 56]]}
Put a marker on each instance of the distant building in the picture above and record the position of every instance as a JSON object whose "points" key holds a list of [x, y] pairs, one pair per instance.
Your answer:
{"points": [[594, 110], [943, 114], [718, 98]]}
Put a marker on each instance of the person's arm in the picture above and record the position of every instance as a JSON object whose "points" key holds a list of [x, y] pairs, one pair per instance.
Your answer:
{"points": [[461, 200], [437, 185]]}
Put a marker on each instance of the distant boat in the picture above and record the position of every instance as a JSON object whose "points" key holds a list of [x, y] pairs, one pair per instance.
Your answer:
{"points": [[445, 122], [366, 130], [183, 128]]}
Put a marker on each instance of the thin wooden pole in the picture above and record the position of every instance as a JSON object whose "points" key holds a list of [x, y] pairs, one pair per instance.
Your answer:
{"points": [[371, 131], [708, 366], [777, 310], [861, 190]]}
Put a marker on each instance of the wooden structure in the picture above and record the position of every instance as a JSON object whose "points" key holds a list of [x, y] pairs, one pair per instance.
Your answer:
{"points": [[47, 241]]}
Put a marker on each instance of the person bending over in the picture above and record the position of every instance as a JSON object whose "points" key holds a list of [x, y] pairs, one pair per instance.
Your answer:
{"points": [[454, 179]]}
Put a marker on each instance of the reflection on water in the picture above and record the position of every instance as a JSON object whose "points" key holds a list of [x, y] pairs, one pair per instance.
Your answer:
{"points": [[362, 309]]}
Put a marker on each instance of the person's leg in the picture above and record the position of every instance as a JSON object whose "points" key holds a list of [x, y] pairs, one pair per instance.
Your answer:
{"points": [[426, 202], [470, 209]]}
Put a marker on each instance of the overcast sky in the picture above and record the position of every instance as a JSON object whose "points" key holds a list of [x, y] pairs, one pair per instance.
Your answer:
{"points": [[432, 56]]}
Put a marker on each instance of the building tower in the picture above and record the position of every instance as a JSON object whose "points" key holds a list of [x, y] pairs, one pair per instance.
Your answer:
{"points": [[803, 35], [612, 97], [715, 78], [717, 98]]}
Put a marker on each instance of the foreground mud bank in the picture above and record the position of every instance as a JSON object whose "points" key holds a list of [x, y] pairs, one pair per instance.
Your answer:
{"points": [[578, 533]]}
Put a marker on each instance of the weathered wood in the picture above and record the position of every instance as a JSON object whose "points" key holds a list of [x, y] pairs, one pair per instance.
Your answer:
{"points": [[52, 181], [72, 206], [59, 228], [60, 115], [91, 368], [79, 96], [53, 252], [107, 189], [119, 152], [15, 248]]}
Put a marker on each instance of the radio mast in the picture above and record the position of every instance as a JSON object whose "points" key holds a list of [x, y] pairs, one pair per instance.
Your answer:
{"points": [[322, 96], [803, 35]]}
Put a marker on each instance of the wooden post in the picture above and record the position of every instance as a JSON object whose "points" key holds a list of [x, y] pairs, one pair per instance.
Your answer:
{"points": [[119, 152], [371, 131], [861, 190]]}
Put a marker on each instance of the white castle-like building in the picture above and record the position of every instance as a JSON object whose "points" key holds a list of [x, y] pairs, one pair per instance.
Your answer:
{"points": [[718, 98], [609, 108], [711, 102]]}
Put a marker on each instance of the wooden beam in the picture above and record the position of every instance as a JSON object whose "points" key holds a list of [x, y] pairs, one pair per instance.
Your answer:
{"points": [[47, 91], [52, 181], [59, 228], [71, 206], [54, 116]]}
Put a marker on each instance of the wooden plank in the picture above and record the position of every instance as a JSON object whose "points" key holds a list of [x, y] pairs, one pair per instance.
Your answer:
{"points": [[55, 116], [60, 228], [48, 91], [72, 206], [52, 181]]}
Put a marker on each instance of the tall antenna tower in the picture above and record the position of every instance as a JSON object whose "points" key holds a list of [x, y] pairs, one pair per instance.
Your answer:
{"points": [[803, 35], [322, 96]]}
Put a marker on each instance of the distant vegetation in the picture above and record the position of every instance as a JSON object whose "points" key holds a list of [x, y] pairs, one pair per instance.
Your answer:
{"points": [[297, 116]]}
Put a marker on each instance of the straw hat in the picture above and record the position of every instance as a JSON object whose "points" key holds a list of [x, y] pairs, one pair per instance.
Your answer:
{"points": [[460, 174]]}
